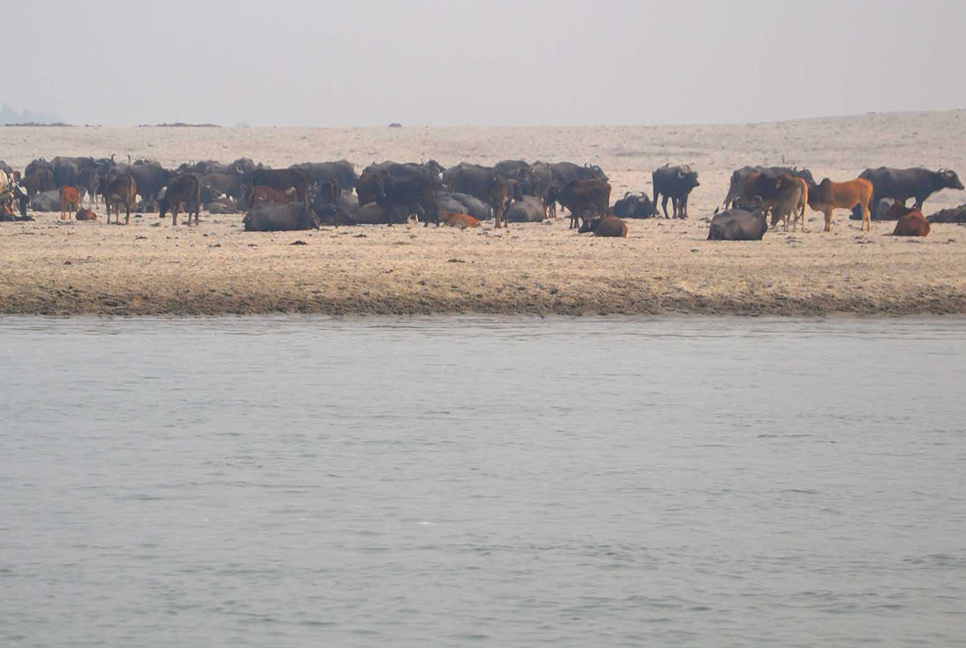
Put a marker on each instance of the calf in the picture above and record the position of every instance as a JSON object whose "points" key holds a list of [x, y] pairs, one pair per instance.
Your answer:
{"points": [[611, 226], [69, 202], [913, 223], [462, 221], [85, 215], [283, 179], [829, 196]]}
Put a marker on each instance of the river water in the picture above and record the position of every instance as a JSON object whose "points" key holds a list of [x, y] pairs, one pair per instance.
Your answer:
{"points": [[299, 481]]}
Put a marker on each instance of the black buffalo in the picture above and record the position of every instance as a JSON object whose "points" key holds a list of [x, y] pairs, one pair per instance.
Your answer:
{"points": [[634, 206], [271, 217], [342, 172], [183, 191], [406, 195], [676, 183], [903, 184], [284, 179], [738, 225], [461, 203]]}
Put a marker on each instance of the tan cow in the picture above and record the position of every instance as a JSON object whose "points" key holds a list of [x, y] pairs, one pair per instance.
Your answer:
{"points": [[829, 196]]}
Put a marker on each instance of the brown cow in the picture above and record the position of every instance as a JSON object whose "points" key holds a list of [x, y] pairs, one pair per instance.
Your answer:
{"points": [[69, 202], [85, 215], [829, 196], [119, 191], [262, 194], [790, 198], [608, 226], [913, 223], [462, 221]]}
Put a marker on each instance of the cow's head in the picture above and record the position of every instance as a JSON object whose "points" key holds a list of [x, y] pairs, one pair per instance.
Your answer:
{"points": [[950, 179]]}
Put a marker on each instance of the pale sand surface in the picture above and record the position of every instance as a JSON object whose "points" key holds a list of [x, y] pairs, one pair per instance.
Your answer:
{"points": [[51, 267]]}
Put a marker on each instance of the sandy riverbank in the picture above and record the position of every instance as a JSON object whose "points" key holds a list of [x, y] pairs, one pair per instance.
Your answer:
{"points": [[48, 267]]}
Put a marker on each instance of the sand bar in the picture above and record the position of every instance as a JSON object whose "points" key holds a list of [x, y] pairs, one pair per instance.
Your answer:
{"points": [[152, 268]]}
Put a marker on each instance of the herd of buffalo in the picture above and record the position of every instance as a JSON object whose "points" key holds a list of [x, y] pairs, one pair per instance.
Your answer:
{"points": [[311, 194]]}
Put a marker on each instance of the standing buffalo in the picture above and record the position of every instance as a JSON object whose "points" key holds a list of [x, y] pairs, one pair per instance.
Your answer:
{"points": [[279, 218], [583, 198], [283, 179], [183, 190], [406, 195], [676, 183], [342, 172], [119, 191], [903, 184]]}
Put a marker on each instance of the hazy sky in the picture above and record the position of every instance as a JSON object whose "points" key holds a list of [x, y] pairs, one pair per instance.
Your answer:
{"points": [[476, 62]]}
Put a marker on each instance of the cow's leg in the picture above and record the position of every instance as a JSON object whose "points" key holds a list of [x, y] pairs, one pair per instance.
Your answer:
{"points": [[867, 218], [174, 216], [127, 214], [664, 205], [828, 220]]}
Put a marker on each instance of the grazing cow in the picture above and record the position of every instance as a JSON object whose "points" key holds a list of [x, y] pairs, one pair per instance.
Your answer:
{"points": [[119, 191], [637, 205], [406, 195], [912, 224], [85, 215], [584, 199], [675, 183], [280, 218], [528, 209], [829, 196], [262, 194], [903, 184], [791, 198], [183, 190], [738, 225], [462, 221], [69, 202], [284, 179], [610, 226]]}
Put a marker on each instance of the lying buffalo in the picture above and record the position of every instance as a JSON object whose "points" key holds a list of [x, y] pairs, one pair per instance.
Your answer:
{"points": [[462, 203], [610, 226], [738, 225], [528, 209], [634, 206], [46, 201], [954, 215], [279, 218]]}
